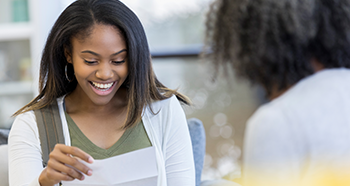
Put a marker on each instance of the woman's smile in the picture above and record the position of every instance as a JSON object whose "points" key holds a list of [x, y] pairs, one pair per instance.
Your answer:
{"points": [[102, 89]]}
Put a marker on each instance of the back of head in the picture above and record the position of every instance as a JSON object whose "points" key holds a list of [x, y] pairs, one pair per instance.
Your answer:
{"points": [[271, 42]]}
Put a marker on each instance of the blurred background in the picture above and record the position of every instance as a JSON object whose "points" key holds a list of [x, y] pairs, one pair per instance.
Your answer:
{"points": [[176, 32]]}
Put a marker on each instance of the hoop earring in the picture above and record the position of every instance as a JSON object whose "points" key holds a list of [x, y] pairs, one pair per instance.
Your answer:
{"points": [[66, 73]]}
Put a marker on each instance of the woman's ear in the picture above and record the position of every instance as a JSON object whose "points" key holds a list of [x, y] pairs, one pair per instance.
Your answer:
{"points": [[68, 55]]}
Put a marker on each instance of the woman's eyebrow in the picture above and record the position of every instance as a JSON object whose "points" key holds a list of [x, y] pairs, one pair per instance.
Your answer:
{"points": [[118, 52], [91, 52], [96, 54]]}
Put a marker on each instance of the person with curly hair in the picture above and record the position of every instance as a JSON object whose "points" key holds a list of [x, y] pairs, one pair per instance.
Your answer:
{"points": [[299, 52]]}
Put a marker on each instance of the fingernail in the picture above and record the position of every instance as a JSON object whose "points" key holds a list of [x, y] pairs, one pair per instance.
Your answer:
{"points": [[91, 160], [89, 173], [82, 178]]}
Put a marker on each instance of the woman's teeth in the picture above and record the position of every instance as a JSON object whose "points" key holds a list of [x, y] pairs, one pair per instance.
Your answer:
{"points": [[102, 86]]}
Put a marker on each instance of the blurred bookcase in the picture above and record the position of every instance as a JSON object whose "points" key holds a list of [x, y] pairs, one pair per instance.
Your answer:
{"points": [[16, 34], [24, 25]]}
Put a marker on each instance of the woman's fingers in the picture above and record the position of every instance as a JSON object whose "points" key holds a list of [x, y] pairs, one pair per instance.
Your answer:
{"points": [[68, 171], [54, 175], [65, 164], [49, 177], [69, 162], [75, 151], [60, 155]]}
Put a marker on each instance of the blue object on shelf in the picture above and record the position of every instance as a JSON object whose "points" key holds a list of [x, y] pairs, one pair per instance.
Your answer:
{"points": [[20, 11]]}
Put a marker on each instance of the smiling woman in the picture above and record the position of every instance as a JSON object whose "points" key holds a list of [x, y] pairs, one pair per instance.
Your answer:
{"points": [[100, 66], [96, 66]]}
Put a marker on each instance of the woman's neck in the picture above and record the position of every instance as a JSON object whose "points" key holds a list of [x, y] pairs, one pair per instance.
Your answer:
{"points": [[76, 102], [316, 66]]}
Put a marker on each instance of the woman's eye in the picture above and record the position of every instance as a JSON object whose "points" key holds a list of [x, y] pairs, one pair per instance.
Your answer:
{"points": [[90, 62], [118, 62]]}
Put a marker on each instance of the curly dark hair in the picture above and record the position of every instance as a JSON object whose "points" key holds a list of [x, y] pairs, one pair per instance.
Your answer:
{"points": [[271, 42]]}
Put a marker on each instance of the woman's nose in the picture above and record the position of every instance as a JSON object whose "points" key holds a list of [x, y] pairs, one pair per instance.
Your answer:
{"points": [[104, 71]]}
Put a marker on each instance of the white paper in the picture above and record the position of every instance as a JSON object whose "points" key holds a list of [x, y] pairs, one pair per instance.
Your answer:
{"points": [[136, 168]]}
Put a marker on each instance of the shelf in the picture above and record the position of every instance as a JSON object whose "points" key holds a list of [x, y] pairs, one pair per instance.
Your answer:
{"points": [[15, 31], [15, 88]]}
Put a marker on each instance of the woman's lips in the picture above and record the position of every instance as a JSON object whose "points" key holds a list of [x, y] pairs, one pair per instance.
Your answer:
{"points": [[102, 89]]}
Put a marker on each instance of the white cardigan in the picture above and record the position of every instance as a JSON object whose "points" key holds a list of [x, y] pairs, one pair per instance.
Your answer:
{"points": [[167, 131]]}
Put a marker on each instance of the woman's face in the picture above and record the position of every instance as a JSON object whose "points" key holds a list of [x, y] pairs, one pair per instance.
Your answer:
{"points": [[100, 63]]}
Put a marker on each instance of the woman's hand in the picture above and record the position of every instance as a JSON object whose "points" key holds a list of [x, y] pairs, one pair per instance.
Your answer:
{"points": [[63, 165]]}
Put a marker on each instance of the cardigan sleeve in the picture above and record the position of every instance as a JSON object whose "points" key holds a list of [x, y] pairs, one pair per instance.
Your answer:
{"points": [[25, 162], [177, 147]]}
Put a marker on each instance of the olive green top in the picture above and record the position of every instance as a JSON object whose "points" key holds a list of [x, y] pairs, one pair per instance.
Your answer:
{"points": [[134, 138]]}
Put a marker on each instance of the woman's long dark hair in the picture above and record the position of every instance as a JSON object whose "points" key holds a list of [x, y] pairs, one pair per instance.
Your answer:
{"points": [[78, 20]]}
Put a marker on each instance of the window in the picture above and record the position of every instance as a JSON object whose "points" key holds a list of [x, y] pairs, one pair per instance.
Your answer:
{"points": [[175, 32]]}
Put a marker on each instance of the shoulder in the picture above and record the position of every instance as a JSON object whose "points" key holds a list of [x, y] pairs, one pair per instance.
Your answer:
{"points": [[164, 106], [315, 92], [308, 100], [314, 88], [25, 128], [268, 117], [24, 119], [166, 102], [164, 115]]}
